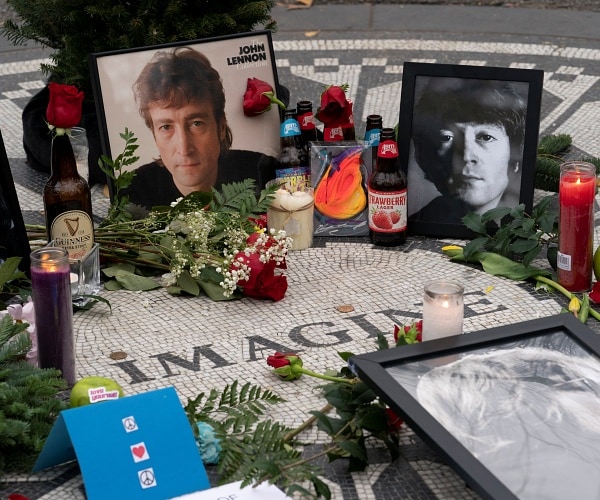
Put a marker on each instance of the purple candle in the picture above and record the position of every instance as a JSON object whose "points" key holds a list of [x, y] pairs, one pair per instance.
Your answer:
{"points": [[51, 287]]}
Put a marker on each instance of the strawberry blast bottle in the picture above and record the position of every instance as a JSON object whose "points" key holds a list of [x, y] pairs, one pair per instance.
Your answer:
{"points": [[387, 195]]}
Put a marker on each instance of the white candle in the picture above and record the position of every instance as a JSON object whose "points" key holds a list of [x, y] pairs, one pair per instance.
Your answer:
{"points": [[443, 310], [293, 212]]}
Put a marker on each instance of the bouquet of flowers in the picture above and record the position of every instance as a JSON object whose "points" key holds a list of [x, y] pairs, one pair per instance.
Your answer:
{"points": [[215, 242]]}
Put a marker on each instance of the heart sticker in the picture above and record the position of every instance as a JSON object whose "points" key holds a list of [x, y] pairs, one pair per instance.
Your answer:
{"points": [[139, 451]]}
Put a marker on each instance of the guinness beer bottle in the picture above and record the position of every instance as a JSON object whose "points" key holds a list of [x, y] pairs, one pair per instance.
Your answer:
{"points": [[387, 194], [68, 202]]}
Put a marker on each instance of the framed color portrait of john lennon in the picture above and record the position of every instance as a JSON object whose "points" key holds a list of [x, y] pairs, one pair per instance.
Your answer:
{"points": [[468, 141], [183, 102]]}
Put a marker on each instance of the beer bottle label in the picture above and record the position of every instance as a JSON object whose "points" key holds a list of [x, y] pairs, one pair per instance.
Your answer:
{"points": [[332, 134], [306, 121], [387, 211], [387, 149], [73, 231], [372, 137], [289, 128]]}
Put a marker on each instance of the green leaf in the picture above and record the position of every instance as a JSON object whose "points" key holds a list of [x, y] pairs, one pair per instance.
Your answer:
{"points": [[345, 356], [498, 265], [134, 282], [112, 271], [112, 285], [188, 284], [215, 291], [522, 246], [354, 449], [473, 222], [495, 214], [9, 270]]}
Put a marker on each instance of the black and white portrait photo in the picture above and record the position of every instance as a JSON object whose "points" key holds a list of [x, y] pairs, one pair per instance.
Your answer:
{"points": [[466, 150], [526, 410]]}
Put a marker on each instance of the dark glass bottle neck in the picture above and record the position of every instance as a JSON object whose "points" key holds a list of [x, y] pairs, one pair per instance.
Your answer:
{"points": [[374, 122], [63, 159]]}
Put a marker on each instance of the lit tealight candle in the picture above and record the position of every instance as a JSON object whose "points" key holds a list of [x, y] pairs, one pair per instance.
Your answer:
{"points": [[443, 310], [293, 212]]}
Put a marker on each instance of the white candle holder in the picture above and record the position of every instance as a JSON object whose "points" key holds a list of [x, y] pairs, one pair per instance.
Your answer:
{"points": [[293, 212], [443, 309]]}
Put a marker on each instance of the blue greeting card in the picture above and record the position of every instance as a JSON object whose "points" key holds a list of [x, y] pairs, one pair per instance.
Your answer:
{"points": [[139, 447]]}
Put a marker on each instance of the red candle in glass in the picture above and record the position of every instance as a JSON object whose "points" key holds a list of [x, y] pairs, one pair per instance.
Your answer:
{"points": [[576, 194], [51, 290]]}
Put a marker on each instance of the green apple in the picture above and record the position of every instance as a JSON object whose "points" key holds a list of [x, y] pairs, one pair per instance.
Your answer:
{"points": [[597, 263], [95, 390]]}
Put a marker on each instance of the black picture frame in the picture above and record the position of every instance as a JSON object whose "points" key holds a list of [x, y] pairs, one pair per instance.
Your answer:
{"points": [[13, 235], [431, 94], [404, 377], [113, 74]]}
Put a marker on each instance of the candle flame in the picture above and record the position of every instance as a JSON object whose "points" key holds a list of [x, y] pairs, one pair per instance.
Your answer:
{"points": [[446, 304]]}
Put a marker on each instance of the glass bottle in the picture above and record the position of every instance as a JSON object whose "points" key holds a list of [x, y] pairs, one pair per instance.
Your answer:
{"points": [[306, 120], [68, 202], [387, 194], [372, 134], [292, 163]]}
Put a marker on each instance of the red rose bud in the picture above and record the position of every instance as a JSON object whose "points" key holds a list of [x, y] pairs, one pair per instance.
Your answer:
{"points": [[64, 105], [396, 333], [258, 97], [595, 293], [286, 365], [394, 422], [335, 110]]}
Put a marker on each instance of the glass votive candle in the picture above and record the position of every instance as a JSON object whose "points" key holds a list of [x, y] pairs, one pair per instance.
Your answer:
{"points": [[443, 309], [51, 290], [576, 195], [293, 212]]}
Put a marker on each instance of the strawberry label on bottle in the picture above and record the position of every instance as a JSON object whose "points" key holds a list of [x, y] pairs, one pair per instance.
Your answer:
{"points": [[387, 211]]}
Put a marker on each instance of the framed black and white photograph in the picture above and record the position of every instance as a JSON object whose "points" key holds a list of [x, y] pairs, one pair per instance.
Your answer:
{"points": [[13, 235], [512, 409], [184, 104], [468, 142]]}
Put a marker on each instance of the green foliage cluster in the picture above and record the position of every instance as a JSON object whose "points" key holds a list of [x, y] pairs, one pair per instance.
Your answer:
{"points": [[253, 448], [28, 400], [521, 236], [359, 413], [552, 151], [12, 280], [75, 28]]}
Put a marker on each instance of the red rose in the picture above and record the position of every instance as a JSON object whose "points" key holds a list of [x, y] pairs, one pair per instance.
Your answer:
{"points": [[595, 293], [394, 422], [262, 283], [258, 97], [267, 284], [335, 110], [280, 359], [287, 365], [64, 105], [254, 264]]}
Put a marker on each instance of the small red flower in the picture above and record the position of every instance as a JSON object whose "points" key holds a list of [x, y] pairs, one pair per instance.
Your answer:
{"points": [[64, 105], [280, 359], [394, 422], [335, 110], [287, 365], [595, 293], [258, 97]]}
